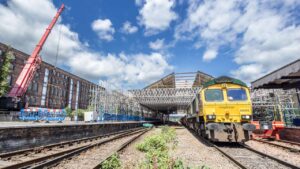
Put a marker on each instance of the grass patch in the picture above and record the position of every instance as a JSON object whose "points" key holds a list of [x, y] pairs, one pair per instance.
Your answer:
{"points": [[112, 162], [156, 149]]}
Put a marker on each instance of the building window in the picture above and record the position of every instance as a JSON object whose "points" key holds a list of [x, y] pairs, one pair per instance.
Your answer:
{"points": [[35, 86], [11, 67], [9, 80], [54, 90]]}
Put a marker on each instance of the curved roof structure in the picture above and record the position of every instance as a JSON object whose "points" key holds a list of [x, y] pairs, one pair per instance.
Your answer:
{"points": [[174, 91]]}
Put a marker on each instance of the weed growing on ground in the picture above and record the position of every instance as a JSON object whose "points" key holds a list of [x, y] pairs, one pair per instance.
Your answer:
{"points": [[112, 163], [156, 149]]}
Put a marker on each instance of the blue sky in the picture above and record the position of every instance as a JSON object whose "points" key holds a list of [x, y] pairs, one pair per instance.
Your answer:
{"points": [[133, 43]]}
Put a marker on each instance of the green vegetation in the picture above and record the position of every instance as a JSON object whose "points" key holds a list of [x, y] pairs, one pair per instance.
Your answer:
{"points": [[112, 162], [80, 113], [5, 71], [157, 149], [68, 111], [71, 113]]}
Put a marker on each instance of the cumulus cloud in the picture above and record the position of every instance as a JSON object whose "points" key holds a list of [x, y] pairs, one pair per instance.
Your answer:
{"points": [[157, 45], [122, 68], [264, 35], [128, 28], [156, 15], [104, 29], [20, 23], [209, 55]]}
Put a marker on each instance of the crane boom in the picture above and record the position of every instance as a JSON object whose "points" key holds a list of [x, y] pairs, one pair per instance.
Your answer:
{"points": [[32, 63]]}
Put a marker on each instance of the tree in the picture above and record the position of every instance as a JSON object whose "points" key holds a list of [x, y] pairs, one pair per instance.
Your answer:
{"points": [[80, 113], [69, 112], [5, 71]]}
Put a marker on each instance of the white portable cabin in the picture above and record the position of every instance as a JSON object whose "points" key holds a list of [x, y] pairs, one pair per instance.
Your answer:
{"points": [[90, 116]]}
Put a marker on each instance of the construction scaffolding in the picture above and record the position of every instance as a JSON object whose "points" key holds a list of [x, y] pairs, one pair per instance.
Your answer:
{"points": [[275, 104], [119, 104]]}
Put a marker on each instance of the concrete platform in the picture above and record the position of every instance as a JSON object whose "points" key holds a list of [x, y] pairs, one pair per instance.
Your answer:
{"points": [[20, 124], [21, 135]]}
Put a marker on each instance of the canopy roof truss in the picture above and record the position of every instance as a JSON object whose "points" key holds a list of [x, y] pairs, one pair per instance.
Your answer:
{"points": [[166, 99]]}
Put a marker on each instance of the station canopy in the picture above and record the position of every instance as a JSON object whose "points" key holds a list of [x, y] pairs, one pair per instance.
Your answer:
{"points": [[286, 77], [171, 93]]}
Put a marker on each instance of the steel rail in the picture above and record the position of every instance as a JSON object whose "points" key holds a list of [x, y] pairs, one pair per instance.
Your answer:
{"points": [[240, 165], [278, 145], [246, 147], [290, 142], [69, 151], [57, 159], [271, 157], [122, 147], [61, 144]]}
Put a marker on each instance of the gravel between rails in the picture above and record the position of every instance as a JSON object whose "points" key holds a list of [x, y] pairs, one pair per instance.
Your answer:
{"points": [[250, 159], [196, 154], [32, 155], [130, 157], [283, 154], [92, 157]]}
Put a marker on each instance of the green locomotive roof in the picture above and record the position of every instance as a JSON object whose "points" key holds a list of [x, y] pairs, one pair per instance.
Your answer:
{"points": [[224, 79]]}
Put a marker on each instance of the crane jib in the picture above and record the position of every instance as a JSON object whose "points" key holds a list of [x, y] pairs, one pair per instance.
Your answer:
{"points": [[33, 61]]}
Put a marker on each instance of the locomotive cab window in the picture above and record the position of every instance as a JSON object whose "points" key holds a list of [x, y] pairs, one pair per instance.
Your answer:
{"points": [[236, 94], [214, 95]]}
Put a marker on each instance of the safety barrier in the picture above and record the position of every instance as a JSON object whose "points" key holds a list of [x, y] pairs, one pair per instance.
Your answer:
{"points": [[123, 117], [42, 114]]}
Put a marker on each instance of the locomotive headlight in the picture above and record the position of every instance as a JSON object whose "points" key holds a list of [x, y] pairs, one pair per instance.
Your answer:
{"points": [[246, 117], [211, 117]]}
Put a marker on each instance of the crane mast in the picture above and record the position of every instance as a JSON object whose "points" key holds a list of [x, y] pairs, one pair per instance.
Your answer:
{"points": [[33, 62]]}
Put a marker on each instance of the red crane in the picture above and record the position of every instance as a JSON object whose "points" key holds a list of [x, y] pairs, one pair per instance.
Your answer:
{"points": [[13, 101], [32, 63]]}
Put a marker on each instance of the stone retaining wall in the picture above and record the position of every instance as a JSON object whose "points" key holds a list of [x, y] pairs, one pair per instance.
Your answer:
{"points": [[15, 138]]}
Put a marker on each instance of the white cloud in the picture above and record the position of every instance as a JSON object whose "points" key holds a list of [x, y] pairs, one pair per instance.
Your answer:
{"points": [[128, 28], [264, 35], [157, 45], [104, 29], [156, 15], [139, 2], [209, 55], [125, 69]]}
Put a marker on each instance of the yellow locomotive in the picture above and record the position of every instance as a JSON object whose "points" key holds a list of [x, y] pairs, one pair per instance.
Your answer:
{"points": [[222, 111]]}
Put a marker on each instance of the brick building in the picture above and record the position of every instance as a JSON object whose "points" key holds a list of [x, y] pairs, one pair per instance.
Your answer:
{"points": [[51, 87]]}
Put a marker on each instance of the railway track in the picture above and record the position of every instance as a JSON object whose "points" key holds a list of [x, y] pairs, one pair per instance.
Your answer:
{"points": [[247, 158], [120, 149], [290, 146], [35, 157], [289, 142]]}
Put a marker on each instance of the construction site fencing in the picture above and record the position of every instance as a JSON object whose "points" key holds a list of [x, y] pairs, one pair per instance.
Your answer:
{"points": [[124, 117], [42, 114]]}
